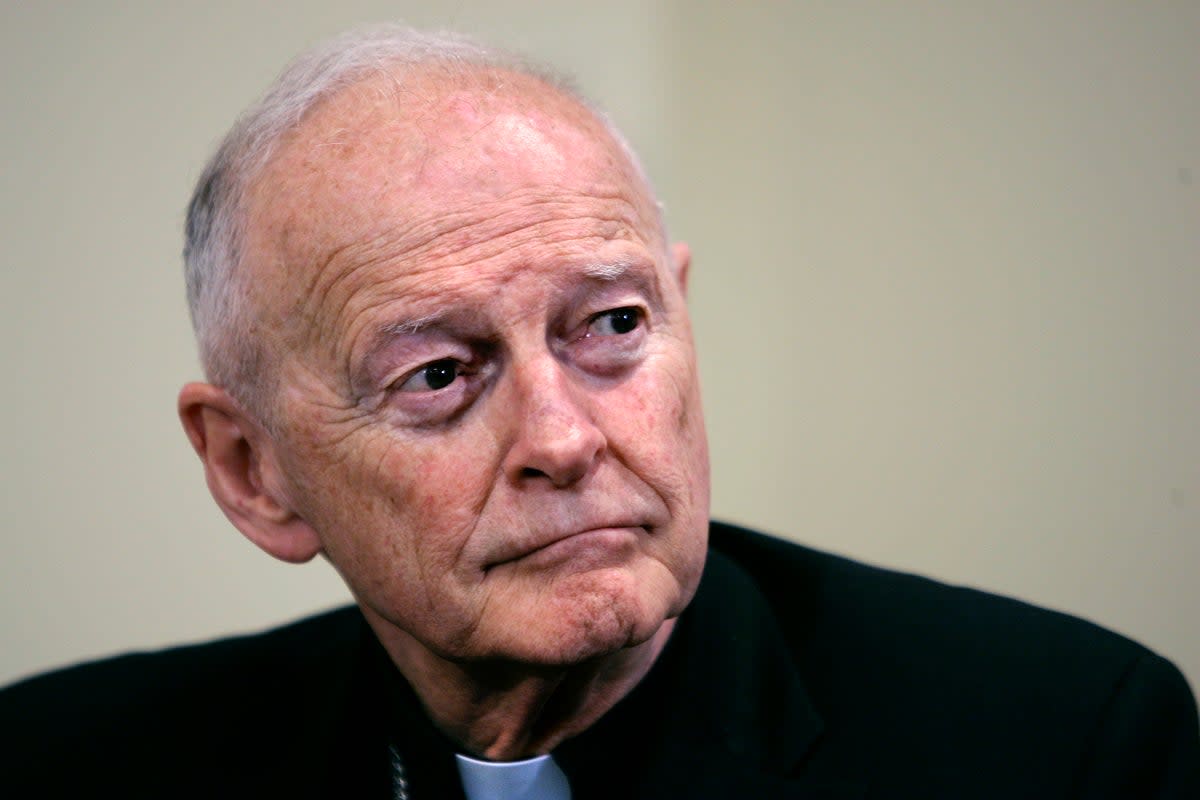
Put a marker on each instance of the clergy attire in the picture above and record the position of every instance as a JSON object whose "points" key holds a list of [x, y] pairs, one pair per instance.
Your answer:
{"points": [[793, 674]]}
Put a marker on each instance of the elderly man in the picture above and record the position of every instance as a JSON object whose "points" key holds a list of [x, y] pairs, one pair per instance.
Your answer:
{"points": [[448, 349]]}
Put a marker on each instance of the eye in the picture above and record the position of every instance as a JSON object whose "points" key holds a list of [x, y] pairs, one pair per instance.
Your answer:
{"points": [[433, 376], [615, 322]]}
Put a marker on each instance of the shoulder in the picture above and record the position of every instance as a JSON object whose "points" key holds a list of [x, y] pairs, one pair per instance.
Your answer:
{"points": [[849, 605], [220, 664], [159, 709], [950, 673]]}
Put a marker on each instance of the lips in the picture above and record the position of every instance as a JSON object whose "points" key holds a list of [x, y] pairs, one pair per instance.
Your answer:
{"points": [[587, 550], [591, 534]]}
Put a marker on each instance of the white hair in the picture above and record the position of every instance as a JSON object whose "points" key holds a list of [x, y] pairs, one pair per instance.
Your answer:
{"points": [[217, 285]]}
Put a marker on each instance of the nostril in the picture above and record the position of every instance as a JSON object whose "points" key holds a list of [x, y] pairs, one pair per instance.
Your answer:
{"points": [[531, 472], [559, 475]]}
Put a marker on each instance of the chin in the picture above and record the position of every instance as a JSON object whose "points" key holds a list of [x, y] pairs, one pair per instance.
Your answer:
{"points": [[593, 617]]}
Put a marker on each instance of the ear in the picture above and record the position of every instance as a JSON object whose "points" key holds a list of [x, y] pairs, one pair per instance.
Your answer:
{"points": [[242, 473], [681, 263]]}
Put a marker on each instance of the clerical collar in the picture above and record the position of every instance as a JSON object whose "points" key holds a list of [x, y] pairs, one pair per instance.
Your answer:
{"points": [[536, 778], [722, 705]]}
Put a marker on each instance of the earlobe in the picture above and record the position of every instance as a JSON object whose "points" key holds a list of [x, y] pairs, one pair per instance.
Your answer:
{"points": [[681, 264], [240, 468]]}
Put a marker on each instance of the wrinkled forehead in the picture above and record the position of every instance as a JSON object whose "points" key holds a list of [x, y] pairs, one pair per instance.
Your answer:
{"points": [[381, 154]]}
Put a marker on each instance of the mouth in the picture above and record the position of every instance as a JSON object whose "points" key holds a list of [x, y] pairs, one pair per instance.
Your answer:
{"points": [[585, 549]]}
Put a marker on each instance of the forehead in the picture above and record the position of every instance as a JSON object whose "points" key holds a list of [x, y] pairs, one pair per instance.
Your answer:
{"points": [[385, 159]]}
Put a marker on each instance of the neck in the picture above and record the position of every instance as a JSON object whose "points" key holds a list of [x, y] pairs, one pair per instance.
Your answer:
{"points": [[507, 711]]}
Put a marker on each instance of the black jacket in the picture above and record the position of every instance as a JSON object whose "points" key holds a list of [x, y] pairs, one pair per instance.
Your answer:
{"points": [[793, 674]]}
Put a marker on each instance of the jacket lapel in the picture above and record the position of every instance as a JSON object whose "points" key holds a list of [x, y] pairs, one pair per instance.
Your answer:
{"points": [[731, 714], [744, 725]]}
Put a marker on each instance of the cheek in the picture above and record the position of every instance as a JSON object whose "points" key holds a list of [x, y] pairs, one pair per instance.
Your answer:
{"points": [[661, 430], [394, 517], [436, 487], [353, 487], [440, 481]]}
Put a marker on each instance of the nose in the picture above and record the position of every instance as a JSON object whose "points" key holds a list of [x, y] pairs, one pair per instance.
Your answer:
{"points": [[555, 437]]}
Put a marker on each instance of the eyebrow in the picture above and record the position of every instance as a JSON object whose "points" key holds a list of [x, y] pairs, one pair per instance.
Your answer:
{"points": [[408, 326], [607, 272]]}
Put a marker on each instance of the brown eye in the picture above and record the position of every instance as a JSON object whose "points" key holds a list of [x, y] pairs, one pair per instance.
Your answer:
{"points": [[615, 322], [433, 376]]}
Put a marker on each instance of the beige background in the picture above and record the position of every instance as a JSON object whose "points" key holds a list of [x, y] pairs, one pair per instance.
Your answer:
{"points": [[947, 290]]}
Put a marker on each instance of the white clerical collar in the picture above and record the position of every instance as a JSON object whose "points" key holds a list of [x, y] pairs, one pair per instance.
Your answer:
{"points": [[533, 779]]}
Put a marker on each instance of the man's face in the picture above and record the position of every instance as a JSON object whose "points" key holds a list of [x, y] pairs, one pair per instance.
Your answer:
{"points": [[489, 401]]}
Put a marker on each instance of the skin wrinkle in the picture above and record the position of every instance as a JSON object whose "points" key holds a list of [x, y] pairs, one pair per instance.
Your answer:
{"points": [[419, 281], [489, 240], [318, 290], [374, 341], [411, 516], [417, 277], [413, 89], [423, 248]]}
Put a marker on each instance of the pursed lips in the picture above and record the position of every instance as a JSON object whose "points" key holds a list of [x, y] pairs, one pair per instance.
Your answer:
{"points": [[521, 550]]}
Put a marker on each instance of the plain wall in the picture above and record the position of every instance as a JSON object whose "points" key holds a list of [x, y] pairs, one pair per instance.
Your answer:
{"points": [[946, 291]]}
